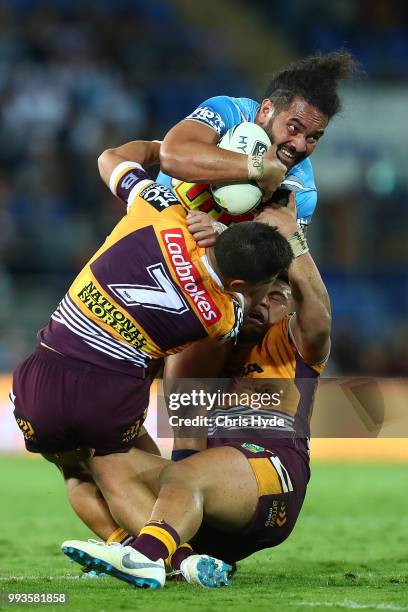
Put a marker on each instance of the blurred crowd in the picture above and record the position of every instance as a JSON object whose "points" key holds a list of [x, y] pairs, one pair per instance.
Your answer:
{"points": [[376, 30], [77, 77]]}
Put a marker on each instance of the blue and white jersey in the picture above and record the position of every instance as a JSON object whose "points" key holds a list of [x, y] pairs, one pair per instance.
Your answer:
{"points": [[223, 112]]}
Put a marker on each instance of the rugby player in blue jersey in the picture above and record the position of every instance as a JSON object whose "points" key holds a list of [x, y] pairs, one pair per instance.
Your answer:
{"points": [[298, 105]]}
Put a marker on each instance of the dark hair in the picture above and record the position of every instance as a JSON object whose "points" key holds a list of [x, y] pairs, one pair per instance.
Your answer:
{"points": [[252, 251], [315, 79]]}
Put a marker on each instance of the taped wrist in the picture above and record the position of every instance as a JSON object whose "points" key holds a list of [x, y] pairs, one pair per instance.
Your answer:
{"points": [[298, 243], [218, 227], [255, 167]]}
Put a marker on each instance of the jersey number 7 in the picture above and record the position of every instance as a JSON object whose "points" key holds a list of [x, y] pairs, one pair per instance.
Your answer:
{"points": [[162, 295]]}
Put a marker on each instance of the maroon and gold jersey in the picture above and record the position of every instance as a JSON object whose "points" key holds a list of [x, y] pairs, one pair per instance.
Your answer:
{"points": [[277, 358], [276, 368], [148, 291]]}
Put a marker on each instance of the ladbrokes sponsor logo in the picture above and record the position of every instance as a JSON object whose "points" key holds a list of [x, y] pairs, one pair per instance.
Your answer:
{"points": [[188, 275], [106, 312]]}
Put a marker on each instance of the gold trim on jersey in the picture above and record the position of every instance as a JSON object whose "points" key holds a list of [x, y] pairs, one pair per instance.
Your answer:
{"points": [[266, 476], [98, 306]]}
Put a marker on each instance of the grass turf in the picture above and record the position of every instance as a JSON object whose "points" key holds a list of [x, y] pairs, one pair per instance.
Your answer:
{"points": [[349, 549]]}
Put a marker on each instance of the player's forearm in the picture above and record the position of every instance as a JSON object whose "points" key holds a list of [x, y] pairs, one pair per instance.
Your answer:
{"points": [[200, 162], [312, 302], [143, 152]]}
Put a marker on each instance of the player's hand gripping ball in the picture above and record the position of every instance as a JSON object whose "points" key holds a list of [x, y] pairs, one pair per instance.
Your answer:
{"points": [[239, 198]]}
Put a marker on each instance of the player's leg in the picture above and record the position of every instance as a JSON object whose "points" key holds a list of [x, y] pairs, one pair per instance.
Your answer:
{"points": [[218, 483], [108, 412], [129, 483], [83, 494], [89, 503], [145, 442], [250, 495]]}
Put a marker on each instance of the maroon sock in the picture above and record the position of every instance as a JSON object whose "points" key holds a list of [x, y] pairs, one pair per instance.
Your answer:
{"points": [[157, 540], [181, 553]]}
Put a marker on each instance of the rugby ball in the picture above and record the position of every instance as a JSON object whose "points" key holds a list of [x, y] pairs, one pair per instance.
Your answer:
{"points": [[239, 198]]}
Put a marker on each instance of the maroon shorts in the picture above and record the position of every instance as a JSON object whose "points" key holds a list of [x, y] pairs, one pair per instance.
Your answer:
{"points": [[62, 404], [282, 474]]}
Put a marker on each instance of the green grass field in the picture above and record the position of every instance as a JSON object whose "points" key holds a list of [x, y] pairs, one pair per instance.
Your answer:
{"points": [[348, 551]]}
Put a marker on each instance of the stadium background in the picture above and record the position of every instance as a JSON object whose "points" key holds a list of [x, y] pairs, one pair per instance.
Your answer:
{"points": [[79, 76]]}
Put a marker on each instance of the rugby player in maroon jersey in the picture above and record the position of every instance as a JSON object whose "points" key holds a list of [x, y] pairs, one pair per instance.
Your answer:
{"points": [[243, 494], [147, 292]]}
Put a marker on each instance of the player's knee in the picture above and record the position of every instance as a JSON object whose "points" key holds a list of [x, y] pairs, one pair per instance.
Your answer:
{"points": [[182, 471]]}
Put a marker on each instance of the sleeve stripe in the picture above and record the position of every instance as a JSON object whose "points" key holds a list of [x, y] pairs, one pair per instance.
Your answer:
{"points": [[204, 121], [119, 171]]}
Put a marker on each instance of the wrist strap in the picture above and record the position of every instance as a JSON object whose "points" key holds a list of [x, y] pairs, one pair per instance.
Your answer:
{"points": [[298, 243], [218, 227], [255, 167]]}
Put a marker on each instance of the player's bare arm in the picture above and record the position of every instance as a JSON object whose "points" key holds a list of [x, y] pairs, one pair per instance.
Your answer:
{"points": [[189, 153], [311, 325], [144, 152]]}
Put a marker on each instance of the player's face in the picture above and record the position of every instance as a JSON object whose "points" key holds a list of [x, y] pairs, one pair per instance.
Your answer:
{"points": [[280, 298], [270, 310], [295, 130], [255, 293]]}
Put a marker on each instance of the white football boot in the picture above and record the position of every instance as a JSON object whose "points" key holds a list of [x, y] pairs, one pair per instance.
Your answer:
{"points": [[206, 571], [122, 562]]}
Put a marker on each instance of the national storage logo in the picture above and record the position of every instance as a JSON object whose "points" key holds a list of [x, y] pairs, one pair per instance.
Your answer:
{"points": [[107, 313]]}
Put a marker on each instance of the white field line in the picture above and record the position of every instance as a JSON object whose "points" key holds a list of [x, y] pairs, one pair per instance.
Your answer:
{"points": [[37, 577], [349, 605]]}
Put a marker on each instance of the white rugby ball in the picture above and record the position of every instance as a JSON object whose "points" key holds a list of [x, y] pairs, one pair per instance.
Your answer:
{"points": [[239, 198]]}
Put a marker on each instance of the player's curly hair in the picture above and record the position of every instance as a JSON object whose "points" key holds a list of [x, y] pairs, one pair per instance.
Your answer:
{"points": [[315, 79], [252, 251]]}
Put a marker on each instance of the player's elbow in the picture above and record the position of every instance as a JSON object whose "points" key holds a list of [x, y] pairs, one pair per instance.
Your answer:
{"points": [[322, 327], [104, 164], [168, 157], [174, 161], [315, 331]]}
